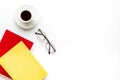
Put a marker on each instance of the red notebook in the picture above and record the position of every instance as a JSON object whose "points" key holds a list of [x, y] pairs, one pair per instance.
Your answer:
{"points": [[9, 40]]}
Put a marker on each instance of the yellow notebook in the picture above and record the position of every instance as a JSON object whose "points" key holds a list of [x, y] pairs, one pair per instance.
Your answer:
{"points": [[20, 64]]}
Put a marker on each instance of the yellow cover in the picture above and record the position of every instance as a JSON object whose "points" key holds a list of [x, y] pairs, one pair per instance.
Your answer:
{"points": [[20, 64]]}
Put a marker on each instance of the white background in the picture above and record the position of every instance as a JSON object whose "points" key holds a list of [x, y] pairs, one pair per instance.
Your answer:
{"points": [[86, 34]]}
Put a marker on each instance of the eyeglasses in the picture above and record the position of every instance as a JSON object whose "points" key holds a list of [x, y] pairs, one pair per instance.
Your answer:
{"points": [[48, 45]]}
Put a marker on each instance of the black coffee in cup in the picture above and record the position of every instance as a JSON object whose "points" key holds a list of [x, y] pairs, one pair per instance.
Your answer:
{"points": [[26, 15]]}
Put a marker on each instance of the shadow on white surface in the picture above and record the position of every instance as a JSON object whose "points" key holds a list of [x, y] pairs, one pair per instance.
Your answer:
{"points": [[3, 77]]}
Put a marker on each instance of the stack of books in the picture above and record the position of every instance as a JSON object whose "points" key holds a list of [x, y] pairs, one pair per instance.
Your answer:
{"points": [[16, 60]]}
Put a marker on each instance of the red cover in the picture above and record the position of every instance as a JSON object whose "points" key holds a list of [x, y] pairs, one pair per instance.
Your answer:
{"points": [[8, 41]]}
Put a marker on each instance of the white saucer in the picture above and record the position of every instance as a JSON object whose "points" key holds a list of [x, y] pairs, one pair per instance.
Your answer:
{"points": [[35, 17]]}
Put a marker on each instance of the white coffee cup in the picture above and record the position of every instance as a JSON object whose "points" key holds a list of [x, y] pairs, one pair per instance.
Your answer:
{"points": [[26, 17]]}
